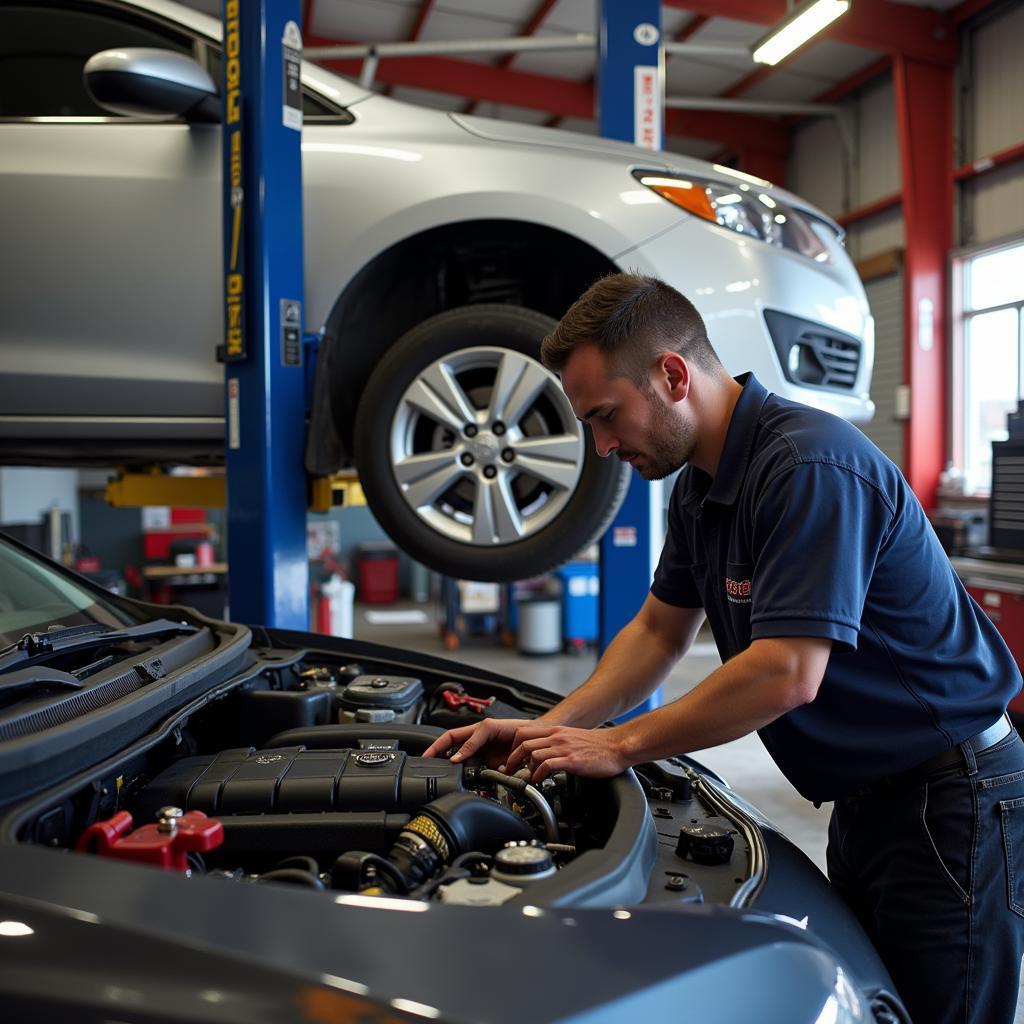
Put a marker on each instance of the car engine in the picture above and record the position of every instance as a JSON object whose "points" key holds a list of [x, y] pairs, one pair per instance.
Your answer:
{"points": [[307, 770]]}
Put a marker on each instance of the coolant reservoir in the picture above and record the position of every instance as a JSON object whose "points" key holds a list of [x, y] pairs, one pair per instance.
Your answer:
{"points": [[522, 863], [477, 892]]}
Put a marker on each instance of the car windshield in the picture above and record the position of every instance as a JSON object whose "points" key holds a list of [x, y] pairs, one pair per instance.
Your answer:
{"points": [[33, 597]]}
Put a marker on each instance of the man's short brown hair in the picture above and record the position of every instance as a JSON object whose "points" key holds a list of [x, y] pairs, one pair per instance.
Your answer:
{"points": [[632, 319]]}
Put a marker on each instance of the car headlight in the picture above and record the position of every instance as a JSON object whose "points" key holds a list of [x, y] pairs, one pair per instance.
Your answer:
{"points": [[740, 207]]}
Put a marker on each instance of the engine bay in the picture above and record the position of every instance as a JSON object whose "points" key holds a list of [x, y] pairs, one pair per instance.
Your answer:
{"points": [[307, 770]]}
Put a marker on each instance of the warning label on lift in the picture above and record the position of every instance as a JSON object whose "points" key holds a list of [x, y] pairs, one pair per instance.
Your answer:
{"points": [[291, 332], [291, 91], [234, 277]]}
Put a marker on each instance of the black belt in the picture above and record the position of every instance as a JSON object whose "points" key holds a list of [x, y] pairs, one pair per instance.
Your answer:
{"points": [[954, 756]]}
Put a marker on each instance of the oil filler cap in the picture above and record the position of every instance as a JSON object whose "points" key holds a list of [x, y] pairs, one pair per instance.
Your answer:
{"points": [[705, 844]]}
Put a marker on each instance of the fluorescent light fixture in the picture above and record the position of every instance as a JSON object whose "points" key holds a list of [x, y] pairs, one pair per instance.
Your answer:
{"points": [[15, 929], [795, 29]]}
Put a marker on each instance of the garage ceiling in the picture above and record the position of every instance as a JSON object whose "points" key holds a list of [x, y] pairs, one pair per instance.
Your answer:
{"points": [[820, 71]]}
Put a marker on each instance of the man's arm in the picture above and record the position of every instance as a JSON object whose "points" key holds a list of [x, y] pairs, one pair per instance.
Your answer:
{"points": [[633, 667], [769, 678], [636, 662]]}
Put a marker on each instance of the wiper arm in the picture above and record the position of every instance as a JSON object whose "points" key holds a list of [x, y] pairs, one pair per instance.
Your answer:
{"points": [[34, 647], [29, 680]]}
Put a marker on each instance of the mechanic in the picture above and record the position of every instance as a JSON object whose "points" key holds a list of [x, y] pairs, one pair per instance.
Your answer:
{"points": [[846, 638]]}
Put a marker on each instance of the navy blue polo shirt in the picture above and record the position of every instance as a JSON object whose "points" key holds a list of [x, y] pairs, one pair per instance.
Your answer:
{"points": [[808, 530]]}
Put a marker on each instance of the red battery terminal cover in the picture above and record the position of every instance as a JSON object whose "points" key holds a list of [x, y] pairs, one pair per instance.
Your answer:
{"points": [[166, 844], [457, 700]]}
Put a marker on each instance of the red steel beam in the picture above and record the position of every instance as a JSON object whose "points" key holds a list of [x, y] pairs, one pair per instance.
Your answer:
{"points": [[474, 81], [989, 163], [870, 209], [528, 30], [691, 28], [732, 130], [968, 9], [426, 6], [927, 185], [855, 81], [875, 24], [560, 96]]}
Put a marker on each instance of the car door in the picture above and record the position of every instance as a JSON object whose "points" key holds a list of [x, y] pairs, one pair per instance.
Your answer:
{"points": [[111, 236]]}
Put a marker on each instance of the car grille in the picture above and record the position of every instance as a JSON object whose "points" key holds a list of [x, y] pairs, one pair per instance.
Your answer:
{"points": [[812, 354]]}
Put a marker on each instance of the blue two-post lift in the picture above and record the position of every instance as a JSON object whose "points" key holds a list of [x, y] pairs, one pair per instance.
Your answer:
{"points": [[263, 291], [630, 85]]}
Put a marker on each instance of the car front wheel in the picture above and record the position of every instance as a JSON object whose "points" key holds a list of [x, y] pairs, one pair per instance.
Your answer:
{"points": [[470, 455]]}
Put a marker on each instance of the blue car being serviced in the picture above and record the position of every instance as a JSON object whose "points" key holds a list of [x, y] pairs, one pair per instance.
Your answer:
{"points": [[205, 821]]}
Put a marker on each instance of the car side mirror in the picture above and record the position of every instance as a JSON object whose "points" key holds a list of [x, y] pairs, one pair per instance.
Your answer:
{"points": [[148, 82]]}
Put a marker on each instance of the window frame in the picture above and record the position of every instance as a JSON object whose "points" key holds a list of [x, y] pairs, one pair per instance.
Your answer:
{"points": [[960, 316], [204, 49]]}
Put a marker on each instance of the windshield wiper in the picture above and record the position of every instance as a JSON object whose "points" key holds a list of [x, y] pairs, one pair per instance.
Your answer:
{"points": [[34, 647], [23, 681]]}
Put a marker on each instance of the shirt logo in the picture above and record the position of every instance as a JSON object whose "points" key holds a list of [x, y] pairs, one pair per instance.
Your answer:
{"points": [[737, 591]]}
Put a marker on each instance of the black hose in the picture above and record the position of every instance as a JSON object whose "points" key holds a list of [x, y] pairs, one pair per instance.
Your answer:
{"points": [[300, 861], [470, 857], [385, 867], [431, 885], [293, 876], [458, 869]]}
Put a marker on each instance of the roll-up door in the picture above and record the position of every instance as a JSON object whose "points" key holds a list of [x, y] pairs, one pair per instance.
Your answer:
{"points": [[885, 294]]}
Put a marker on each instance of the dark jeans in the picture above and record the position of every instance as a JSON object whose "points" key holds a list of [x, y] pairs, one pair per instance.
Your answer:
{"points": [[934, 870]]}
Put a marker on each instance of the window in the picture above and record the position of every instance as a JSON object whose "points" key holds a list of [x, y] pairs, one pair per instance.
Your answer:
{"points": [[44, 49], [314, 108], [989, 355]]}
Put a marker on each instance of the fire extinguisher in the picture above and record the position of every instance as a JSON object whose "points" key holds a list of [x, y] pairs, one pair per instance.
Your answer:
{"points": [[334, 599]]}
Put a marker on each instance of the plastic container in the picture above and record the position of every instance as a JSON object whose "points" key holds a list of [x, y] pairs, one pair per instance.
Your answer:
{"points": [[377, 572], [340, 595], [540, 625], [580, 591]]}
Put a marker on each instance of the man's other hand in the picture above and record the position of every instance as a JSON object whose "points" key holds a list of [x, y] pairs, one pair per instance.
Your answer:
{"points": [[594, 753], [492, 739]]}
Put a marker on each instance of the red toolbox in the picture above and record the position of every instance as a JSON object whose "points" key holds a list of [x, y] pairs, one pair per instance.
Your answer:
{"points": [[377, 572]]}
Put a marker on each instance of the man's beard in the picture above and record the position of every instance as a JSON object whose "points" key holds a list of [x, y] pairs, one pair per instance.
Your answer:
{"points": [[668, 445]]}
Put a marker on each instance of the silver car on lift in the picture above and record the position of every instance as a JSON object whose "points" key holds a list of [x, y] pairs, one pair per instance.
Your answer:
{"points": [[439, 249]]}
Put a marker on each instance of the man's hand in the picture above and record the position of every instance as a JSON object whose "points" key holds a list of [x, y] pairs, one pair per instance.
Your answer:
{"points": [[595, 753], [514, 743], [493, 739]]}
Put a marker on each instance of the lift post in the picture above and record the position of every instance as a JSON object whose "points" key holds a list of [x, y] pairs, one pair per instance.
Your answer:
{"points": [[263, 293], [631, 89]]}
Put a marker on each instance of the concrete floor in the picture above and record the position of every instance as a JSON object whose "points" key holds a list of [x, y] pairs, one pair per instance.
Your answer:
{"points": [[744, 763]]}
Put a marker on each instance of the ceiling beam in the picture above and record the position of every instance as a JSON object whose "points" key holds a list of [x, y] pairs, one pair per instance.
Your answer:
{"points": [[691, 28], [558, 96], [893, 28], [474, 81], [426, 6], [968, 9], [529, 29]]}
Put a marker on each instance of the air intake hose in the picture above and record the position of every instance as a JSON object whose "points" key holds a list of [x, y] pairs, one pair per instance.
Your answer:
{"points": [[453, 824]]}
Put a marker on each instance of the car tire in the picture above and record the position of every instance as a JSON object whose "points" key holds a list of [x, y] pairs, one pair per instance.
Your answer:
{"points": [[460, 497]]}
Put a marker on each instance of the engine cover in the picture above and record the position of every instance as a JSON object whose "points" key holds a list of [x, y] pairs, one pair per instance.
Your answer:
{"points": [[289, 780]]}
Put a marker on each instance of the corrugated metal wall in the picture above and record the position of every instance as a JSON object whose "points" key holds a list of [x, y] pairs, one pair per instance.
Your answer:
{"points": [[886, 297], [992, 119], [819, 170]]}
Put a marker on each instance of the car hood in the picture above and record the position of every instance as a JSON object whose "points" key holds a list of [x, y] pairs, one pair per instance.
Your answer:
{"points": [[536, 135], [156, 937]]}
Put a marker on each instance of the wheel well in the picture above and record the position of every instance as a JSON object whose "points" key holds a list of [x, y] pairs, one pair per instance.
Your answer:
{"points": [[456, 265]]}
